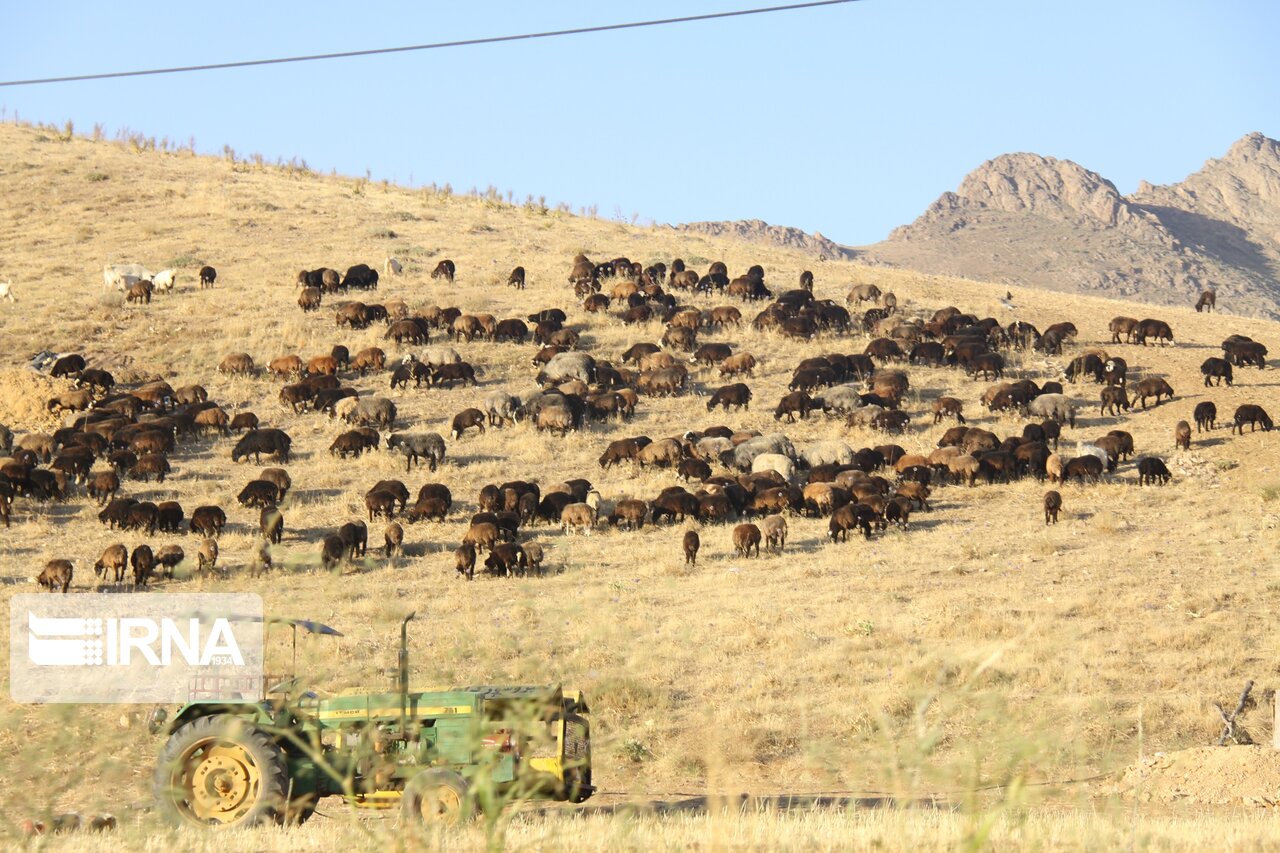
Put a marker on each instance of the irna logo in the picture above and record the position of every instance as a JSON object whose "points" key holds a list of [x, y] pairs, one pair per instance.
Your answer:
{"points": [[71, 641], [159, 647]]}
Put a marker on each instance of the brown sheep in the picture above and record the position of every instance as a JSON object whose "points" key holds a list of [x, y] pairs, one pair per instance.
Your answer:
{"points": [[1152, 387], [237, 364], [1182, 435], [111, 565], [578, 517], [464, 420], [322, 365], [947, 406], [212, 419], [1053, 468], [464, 560], [1052, 505], [917, 493], [56, 575], [1115, 400], [271, 522], [393, 538], [144, 561], [168, 557], [380, 503], [691, 545], [533, 553], [103, 486], [151, 464], [285, 366], [746, 537], [140, 291], [964, 468], [483, 536], [207, 555], [629, 514], [741, 364], [774, 529]]}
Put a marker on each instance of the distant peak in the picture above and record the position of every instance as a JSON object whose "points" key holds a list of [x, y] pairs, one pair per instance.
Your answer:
{"points": [[1024, 182], [1251, 145]]}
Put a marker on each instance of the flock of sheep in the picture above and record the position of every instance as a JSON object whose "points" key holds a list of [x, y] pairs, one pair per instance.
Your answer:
{"points": [[112, 434]]}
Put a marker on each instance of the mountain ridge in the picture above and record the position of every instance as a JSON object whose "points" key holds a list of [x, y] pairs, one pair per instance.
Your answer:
{"points": [[1032, 220]]}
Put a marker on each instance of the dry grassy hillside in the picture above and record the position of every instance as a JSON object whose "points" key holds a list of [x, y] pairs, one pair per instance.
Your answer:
{"points": [[974, 648]]}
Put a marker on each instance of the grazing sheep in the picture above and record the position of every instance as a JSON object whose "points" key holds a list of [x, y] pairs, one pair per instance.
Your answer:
{"points": [[393, 538], [947, 406], [208, 521], [533, 553], [56, 575], [259, 493], [1085, 468], [1054, 406], [464, 560], [333, 551], [112, 564], [1114, 399], [144, 562], [208, 275], [6, 291], [465, 420], [103, 486], [501, 407], [429, 446], [507, 559], [168, 558], [1152, 387], [746, 537], [1252, 415], [774, 529], [578, 517], [1206, 416], [1052, 506], [271, 522], [691, 544], [1216, 369], [237, 364], [164, 280], [1182, 435], [1152, 470], [355, 535], [207, 555]]}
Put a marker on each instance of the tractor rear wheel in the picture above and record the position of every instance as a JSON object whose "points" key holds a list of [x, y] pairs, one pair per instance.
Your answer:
{"points": [[436, 797], [221, 771]]}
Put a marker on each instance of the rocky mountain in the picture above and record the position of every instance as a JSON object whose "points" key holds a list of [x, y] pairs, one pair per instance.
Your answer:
{"points": [[758, 231], [1031, 220]]}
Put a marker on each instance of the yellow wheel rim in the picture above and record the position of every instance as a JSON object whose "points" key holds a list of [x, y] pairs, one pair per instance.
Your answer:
{"points": [[441, 805], [216, 782]]}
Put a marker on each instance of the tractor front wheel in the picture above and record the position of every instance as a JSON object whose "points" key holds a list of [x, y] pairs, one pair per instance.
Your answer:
{"points": [[436, 797], [221, 771]]}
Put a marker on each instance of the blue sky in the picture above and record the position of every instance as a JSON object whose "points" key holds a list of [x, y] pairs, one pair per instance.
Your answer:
{"points": [[847, 120]]}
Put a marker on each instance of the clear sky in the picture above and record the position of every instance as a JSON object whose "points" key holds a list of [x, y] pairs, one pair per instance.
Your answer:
{"points": [[847, 120]]}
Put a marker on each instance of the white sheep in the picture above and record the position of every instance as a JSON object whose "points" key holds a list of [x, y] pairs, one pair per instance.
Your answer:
{"points": [[165, 280], [6, 291]]}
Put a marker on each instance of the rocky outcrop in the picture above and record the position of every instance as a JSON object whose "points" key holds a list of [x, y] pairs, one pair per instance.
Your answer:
{"points": [[758, 231], [1033, 220]]}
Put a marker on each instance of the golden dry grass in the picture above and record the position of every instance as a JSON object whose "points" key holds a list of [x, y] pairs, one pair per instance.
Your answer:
{"points": [[977, 648]]}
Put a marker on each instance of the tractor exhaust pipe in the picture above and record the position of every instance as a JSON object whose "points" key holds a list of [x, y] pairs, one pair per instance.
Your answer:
{"points": [[404, 675]]}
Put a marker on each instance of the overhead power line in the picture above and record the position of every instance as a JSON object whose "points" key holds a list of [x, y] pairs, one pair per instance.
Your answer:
{"points": [[434, 46]]}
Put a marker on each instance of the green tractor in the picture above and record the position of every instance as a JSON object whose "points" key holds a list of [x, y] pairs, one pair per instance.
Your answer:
{"points": [[438, 754]]}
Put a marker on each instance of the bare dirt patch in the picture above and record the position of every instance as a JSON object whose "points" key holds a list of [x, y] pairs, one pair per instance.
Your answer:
{"points": [[1208, 775]]}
